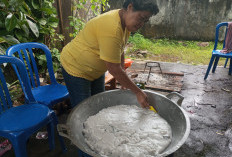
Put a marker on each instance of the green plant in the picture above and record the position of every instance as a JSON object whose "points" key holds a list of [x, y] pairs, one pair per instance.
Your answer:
{"points": [[139, 42], [83, 10], [171, 50], [28, 21], [55, 59]]}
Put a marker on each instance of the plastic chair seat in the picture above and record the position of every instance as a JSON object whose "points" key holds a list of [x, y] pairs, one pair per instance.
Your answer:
{"points": [[226, 55], [23, 117], [46, 94]]}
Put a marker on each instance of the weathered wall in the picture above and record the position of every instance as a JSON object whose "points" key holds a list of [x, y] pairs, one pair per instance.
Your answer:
{"points": [[185, 19]]}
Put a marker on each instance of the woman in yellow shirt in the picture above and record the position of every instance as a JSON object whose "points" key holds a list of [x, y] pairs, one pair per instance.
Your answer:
{"points": [[99, 47]]}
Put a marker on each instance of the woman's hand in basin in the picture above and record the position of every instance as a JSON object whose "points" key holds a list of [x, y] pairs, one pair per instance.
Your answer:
{"points": [[142, 99]]}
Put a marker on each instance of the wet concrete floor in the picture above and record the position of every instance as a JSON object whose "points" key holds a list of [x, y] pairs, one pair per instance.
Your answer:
{"points": [[209, 106], [207, 102]]}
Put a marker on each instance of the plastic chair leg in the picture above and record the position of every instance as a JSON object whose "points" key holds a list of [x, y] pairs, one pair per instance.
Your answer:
{"points": [[230, 69], [225, 62], [215, 64], [19, 146], [61, 140], [51, 136], [209, 67]]}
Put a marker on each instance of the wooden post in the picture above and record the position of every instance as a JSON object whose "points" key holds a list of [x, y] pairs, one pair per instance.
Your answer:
{"points": [[60, 14], [64, 11]]}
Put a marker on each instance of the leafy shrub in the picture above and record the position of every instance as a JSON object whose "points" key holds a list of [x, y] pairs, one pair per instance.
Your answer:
{"points": [[28, 21]]}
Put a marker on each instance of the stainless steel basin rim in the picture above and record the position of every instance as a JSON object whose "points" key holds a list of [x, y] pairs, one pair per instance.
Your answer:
{"points": [[169, 110]]}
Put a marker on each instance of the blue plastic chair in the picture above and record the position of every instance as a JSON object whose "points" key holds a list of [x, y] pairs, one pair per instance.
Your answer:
{"points": [[18, 123], [216, 54], [49, 94]]}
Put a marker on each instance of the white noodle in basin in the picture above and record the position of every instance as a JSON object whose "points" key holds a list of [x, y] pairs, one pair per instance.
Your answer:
{"points": [[127, 131]]}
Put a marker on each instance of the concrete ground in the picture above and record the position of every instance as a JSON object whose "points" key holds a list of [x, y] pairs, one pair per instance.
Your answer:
{"points": [[208, 104]]}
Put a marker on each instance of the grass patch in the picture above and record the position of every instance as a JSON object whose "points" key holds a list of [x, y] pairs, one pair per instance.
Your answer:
{"points": [[190, 52]]}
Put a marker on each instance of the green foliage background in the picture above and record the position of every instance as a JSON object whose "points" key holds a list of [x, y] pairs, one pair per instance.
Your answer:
{"points": [[29, 21], [83, 10], [36, 21]]}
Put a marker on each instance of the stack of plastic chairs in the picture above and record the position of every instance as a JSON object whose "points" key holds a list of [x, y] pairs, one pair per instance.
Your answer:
{"points": [[17, 124], [50, 94]]}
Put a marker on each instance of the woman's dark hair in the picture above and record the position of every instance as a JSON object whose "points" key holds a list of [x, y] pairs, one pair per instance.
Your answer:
{"points": [[142, 5]]}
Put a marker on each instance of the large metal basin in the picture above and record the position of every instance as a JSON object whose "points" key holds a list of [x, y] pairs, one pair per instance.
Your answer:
{"points": [[166, 108]]}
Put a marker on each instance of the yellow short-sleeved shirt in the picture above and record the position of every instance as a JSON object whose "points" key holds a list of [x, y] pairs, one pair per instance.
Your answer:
{"points": [[102, 39]]}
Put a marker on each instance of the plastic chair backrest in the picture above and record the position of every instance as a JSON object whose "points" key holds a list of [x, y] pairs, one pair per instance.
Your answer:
{"points": [[217, 34], [6, 101], [25, 52]]}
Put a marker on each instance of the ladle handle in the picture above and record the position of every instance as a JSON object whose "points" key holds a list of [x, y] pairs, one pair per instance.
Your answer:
{"points": [[64, 130], [172, 94]]}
